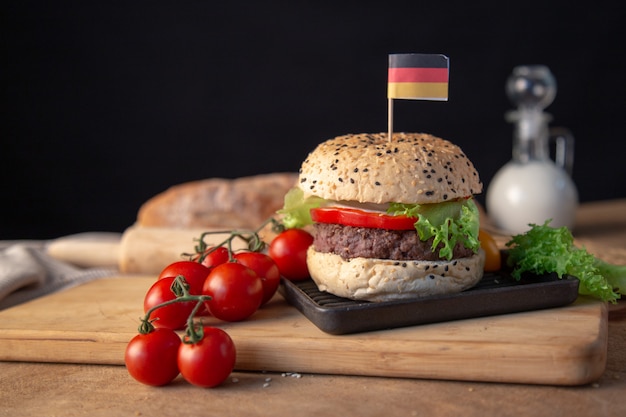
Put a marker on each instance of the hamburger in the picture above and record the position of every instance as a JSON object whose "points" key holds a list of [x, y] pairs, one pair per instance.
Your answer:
{"points": [[393, 218]]}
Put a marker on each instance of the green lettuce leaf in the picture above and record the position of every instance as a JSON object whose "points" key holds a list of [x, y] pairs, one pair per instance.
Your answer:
{"points": [[447, 223], [544, 249], [296, 209]]}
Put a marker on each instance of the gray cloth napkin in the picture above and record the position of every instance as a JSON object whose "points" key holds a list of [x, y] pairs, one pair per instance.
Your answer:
{"points": [[27, 272]]}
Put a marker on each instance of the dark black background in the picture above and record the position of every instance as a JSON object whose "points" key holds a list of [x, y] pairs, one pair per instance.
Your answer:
{"points": [[107, 103]]}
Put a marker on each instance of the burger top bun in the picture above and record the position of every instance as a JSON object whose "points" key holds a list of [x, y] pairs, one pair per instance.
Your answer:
{"points": [[411, 168]]}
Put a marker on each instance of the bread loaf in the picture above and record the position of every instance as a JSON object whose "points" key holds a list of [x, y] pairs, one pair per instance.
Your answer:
{"points": [[242, 203]]}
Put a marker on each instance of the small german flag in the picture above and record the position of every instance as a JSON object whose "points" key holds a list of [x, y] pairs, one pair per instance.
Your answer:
{"points": [[418, 76]]}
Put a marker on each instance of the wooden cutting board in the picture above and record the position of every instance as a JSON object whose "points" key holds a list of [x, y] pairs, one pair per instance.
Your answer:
{"points": [[92, 323]]}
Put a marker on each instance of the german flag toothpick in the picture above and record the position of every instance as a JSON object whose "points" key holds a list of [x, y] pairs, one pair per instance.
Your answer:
{"points": [[416, 77]]}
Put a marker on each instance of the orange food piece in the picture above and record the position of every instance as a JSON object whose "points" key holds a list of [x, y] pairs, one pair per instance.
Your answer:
{"points": [[493, 257]]}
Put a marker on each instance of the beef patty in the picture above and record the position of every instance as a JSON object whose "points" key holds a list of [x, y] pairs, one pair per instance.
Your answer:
{"points": [[402, 245]]}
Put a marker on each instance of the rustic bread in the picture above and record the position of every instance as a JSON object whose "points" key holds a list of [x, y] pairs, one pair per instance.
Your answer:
{"points": [[218, 202]]}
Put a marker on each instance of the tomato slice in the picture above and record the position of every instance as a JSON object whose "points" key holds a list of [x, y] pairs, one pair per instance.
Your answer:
{"points": [[361, 218]]}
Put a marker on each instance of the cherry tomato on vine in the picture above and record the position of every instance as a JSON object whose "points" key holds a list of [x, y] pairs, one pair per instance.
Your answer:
{"points": [[214, 256], [493, 257], [265, 268], [210, 361], [152, 358], [288, 250], [236, 291], [194, 273], [172, 316]]}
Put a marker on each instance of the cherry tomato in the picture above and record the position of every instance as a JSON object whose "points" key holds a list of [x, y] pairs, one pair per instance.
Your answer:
{"points": [[288, 250], [208, 362], [361, 218], [265, 268], [152, 358], [493, 257], [194, 273], [236, 291], [172, 316], [215, 256]]}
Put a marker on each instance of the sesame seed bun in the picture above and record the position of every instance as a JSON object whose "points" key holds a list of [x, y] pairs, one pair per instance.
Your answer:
{"points": [[411, 168], [387, 280]]}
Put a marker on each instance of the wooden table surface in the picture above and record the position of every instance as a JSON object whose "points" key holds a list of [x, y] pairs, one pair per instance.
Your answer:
{"points": [[29, 389]]}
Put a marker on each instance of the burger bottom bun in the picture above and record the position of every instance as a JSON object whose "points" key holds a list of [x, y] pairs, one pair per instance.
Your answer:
{"points": [[386, 280]]}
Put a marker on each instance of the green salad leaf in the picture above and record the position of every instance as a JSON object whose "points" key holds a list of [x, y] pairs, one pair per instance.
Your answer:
{"points": [[296, 209], [544, 249], [447, 223]]}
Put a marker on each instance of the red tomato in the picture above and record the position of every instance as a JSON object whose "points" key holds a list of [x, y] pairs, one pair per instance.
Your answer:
{"points": [[208, 362], [265, 268], [236, 291], [172, 316], [288, 250], [152, 358], [215, 256], [360, 218], [194, 273]]}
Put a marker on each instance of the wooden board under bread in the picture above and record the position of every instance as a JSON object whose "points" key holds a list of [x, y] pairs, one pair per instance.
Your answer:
{"points": [[92, 323]]}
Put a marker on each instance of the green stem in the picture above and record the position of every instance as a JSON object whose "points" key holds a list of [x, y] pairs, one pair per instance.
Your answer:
{"points": [[194, 333], [251, 237]]}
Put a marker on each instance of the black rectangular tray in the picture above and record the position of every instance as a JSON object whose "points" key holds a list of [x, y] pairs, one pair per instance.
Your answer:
{"points": [[497, 293]]}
